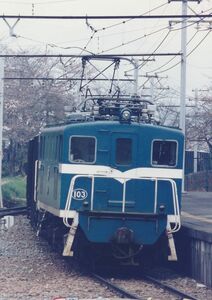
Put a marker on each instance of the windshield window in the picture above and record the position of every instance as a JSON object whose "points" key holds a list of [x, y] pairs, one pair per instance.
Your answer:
{"points": [[82, 149], [164, 153]]}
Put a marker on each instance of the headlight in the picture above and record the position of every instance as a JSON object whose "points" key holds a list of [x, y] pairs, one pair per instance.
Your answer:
{"points": [[125, 115]]}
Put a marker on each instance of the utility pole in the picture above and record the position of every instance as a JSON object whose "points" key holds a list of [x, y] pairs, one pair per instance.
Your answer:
{"points": [[196, 99], [196, 142], [183, 76], [152, 87], [1, 122], [136, 66], [183, 66]]}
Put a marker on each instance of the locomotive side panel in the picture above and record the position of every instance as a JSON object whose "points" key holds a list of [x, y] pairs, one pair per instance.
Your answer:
{"points": [[49, 181], [31, 179]]}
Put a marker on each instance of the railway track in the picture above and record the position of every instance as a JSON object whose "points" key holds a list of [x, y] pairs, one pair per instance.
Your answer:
{"points": [[167, 287], [127, 294], [15, 211], [131, 285], [124, 293]]}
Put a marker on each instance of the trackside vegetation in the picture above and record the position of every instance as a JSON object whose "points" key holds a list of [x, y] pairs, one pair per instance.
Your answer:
{"points": [[14, 191]]}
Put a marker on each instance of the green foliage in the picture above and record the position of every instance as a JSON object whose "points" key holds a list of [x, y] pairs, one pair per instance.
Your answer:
{"points": [[14, 159], [14, 191]]}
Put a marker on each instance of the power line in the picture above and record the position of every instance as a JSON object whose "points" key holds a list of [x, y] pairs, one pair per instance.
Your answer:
{"points": [[106, 56], [173, 57], [134, 40], [167, 36], [108, 27], [187, 54], [94, 30], [64, 79], [98, 17], [126, 21], [48, 2], [192, 23], [36, 3], [146, 35], [199, 43], [163, 40]]}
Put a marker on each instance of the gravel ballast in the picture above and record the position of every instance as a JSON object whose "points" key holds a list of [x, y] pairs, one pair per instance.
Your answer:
{"points": [[29, 269]]}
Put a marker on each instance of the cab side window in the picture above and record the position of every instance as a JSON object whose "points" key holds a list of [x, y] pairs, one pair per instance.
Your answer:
{"points": [[164, 153], [123, 155], [82, 149]]}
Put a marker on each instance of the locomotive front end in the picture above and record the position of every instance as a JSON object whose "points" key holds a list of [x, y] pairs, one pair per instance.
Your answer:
{"points": [[125, 186]]}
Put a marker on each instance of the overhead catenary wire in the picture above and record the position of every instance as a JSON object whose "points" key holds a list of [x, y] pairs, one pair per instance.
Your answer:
{"points": [[128, 20], [143, 84], [63, 79], [94, 30], [133, 40], [84, 48], [37, 3], [187, 54], [98, 74], [144, 36], [152, 71], [159, 45], [103, 17], [141, 65], [96, 56], [108, 56], [113, 25], [84, 39], [104, 28], [192, 23], [199, 43], [141, 37], [91, 37]]}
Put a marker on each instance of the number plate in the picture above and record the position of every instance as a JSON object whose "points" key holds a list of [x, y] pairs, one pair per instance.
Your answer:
{"points": [[79, 194]]}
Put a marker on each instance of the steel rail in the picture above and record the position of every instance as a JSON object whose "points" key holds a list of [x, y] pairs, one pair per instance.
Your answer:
{"points": [[169, 288], [116, 288], [15, 211]]}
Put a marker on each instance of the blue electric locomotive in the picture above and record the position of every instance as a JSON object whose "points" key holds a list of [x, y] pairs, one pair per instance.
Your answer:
{"points": [[108, 182]]}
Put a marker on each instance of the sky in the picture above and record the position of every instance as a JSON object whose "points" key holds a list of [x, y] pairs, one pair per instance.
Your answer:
{"points": [[116, 36]]}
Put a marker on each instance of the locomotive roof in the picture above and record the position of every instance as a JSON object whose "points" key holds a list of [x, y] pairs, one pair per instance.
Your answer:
{"points": [[112, 112], [110, 125]]}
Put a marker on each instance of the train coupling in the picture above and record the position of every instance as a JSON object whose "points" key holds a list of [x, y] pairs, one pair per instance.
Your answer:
{"points": [[123, 235]]}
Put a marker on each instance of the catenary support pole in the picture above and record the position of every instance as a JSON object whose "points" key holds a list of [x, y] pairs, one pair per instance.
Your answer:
{"points": [[196, 142], [183, 67], [136, 71], [1, 122], [183, 79]]}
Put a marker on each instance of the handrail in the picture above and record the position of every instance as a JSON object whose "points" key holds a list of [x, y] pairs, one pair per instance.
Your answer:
{"points": [[124, 196], [35, 180], [177, 223], [175, 205]]}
